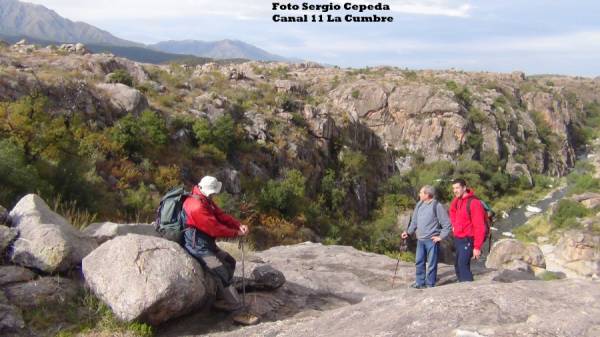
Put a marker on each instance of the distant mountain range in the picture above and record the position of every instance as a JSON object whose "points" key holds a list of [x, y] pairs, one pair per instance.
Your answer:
{"points": [[41, 25], [224, 49]]}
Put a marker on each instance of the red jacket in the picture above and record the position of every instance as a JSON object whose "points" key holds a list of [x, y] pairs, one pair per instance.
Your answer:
{"points": [[464, 226], [205, 215]]}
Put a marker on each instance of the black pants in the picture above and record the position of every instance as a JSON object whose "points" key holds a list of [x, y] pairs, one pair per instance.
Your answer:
{"points": [[462, 263], [216, 261]]}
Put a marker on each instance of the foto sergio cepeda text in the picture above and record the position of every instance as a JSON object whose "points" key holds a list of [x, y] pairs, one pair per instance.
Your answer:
{"points": [[325, 8]]}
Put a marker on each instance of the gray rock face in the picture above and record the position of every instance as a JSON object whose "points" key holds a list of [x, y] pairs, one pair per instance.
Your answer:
{"points": [[15, 274], [579, 251], [104, 231], [526, 308], [360, 99], [4, 217], [50, 290], [46, 240], [506, 251], [11, 319], [123, 98], [7, 235], [319, 277], [146, 278], [231, 180]]}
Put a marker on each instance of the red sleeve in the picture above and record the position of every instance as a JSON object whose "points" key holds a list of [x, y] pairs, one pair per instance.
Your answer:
{"points": [[226, 219], [203, 219], [452, 211], [478, 221]]}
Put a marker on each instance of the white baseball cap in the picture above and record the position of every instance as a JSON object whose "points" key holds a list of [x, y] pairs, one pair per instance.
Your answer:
{"points": [[209, 185]]}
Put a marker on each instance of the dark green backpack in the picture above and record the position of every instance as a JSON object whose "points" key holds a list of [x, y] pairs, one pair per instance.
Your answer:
{"points": [[170, 216]]}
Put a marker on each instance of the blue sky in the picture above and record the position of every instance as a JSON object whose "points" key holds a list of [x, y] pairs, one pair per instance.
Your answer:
{"points": [[535, 36]]}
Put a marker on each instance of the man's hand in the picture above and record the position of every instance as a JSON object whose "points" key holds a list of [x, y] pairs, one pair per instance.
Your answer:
{"points": [[243, 230], [436, 239], [476, 254], [404, 235]]}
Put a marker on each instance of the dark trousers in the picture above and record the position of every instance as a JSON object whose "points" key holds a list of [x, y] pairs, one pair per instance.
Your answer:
{"points": [[216, 261], [462, 263], [426, 261]]}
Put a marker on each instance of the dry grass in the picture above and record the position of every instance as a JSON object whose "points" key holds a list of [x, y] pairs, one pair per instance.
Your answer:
{"points": [[69, 210]]}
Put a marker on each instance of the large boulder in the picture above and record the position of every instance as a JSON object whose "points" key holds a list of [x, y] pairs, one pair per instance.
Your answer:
{"points": [[579, 251], [104, 231], [506, 251], [46, 241], [49, 290], [146, 278], [123, 98]]}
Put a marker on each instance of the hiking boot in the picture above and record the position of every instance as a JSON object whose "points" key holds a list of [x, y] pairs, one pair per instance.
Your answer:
{"points": [[417, 286], [227, 306]]}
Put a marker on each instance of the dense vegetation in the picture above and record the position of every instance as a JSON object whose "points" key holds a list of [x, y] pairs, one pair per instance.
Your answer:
{"points": [[119, 171]]}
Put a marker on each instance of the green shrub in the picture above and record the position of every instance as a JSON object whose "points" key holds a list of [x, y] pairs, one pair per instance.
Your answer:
{"points": [[355, 94], [550, 276], [285, 195], [222, 133], [476, 116], [566, 213], [121, 76], [136, 134]]}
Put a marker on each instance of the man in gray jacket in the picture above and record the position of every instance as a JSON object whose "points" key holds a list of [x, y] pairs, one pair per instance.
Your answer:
{"points": [[431, 223]]}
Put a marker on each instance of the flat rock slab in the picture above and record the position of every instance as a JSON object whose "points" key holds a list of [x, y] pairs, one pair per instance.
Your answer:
{"points": [[526, 308], [104, 231]]}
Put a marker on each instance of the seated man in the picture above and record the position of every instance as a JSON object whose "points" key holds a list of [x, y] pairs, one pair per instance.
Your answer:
{"points": [[205, 222]]}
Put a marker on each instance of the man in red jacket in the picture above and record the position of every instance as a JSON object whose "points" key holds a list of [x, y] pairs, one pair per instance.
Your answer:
{"points": [[205, 222], [467, 216]]}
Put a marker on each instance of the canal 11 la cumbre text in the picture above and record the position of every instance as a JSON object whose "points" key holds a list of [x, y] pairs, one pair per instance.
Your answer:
{"points": [[324, 8]]}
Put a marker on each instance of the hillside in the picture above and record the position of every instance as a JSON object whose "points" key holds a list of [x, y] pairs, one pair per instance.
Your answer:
{"points": [[305, 152], [224, 49], [25, 19]]}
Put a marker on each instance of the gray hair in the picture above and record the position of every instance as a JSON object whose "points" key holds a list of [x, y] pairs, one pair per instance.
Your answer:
{"points": [[429, 190]]}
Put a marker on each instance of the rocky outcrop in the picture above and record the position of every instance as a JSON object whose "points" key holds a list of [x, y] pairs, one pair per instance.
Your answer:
{"points": [[589, 200], [4, 216], [319, 276], [579, 251], [15, 274], [104, 231], [493, 309], [76, 48], [7, 235], [122, 98], [11, 320], [146, 278], [505, 252], [46, 241], [50, 290]]}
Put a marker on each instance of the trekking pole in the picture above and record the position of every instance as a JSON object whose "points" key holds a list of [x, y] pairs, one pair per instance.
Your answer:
{"points": [[402, 249], [395, 271], [243, 273]]}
